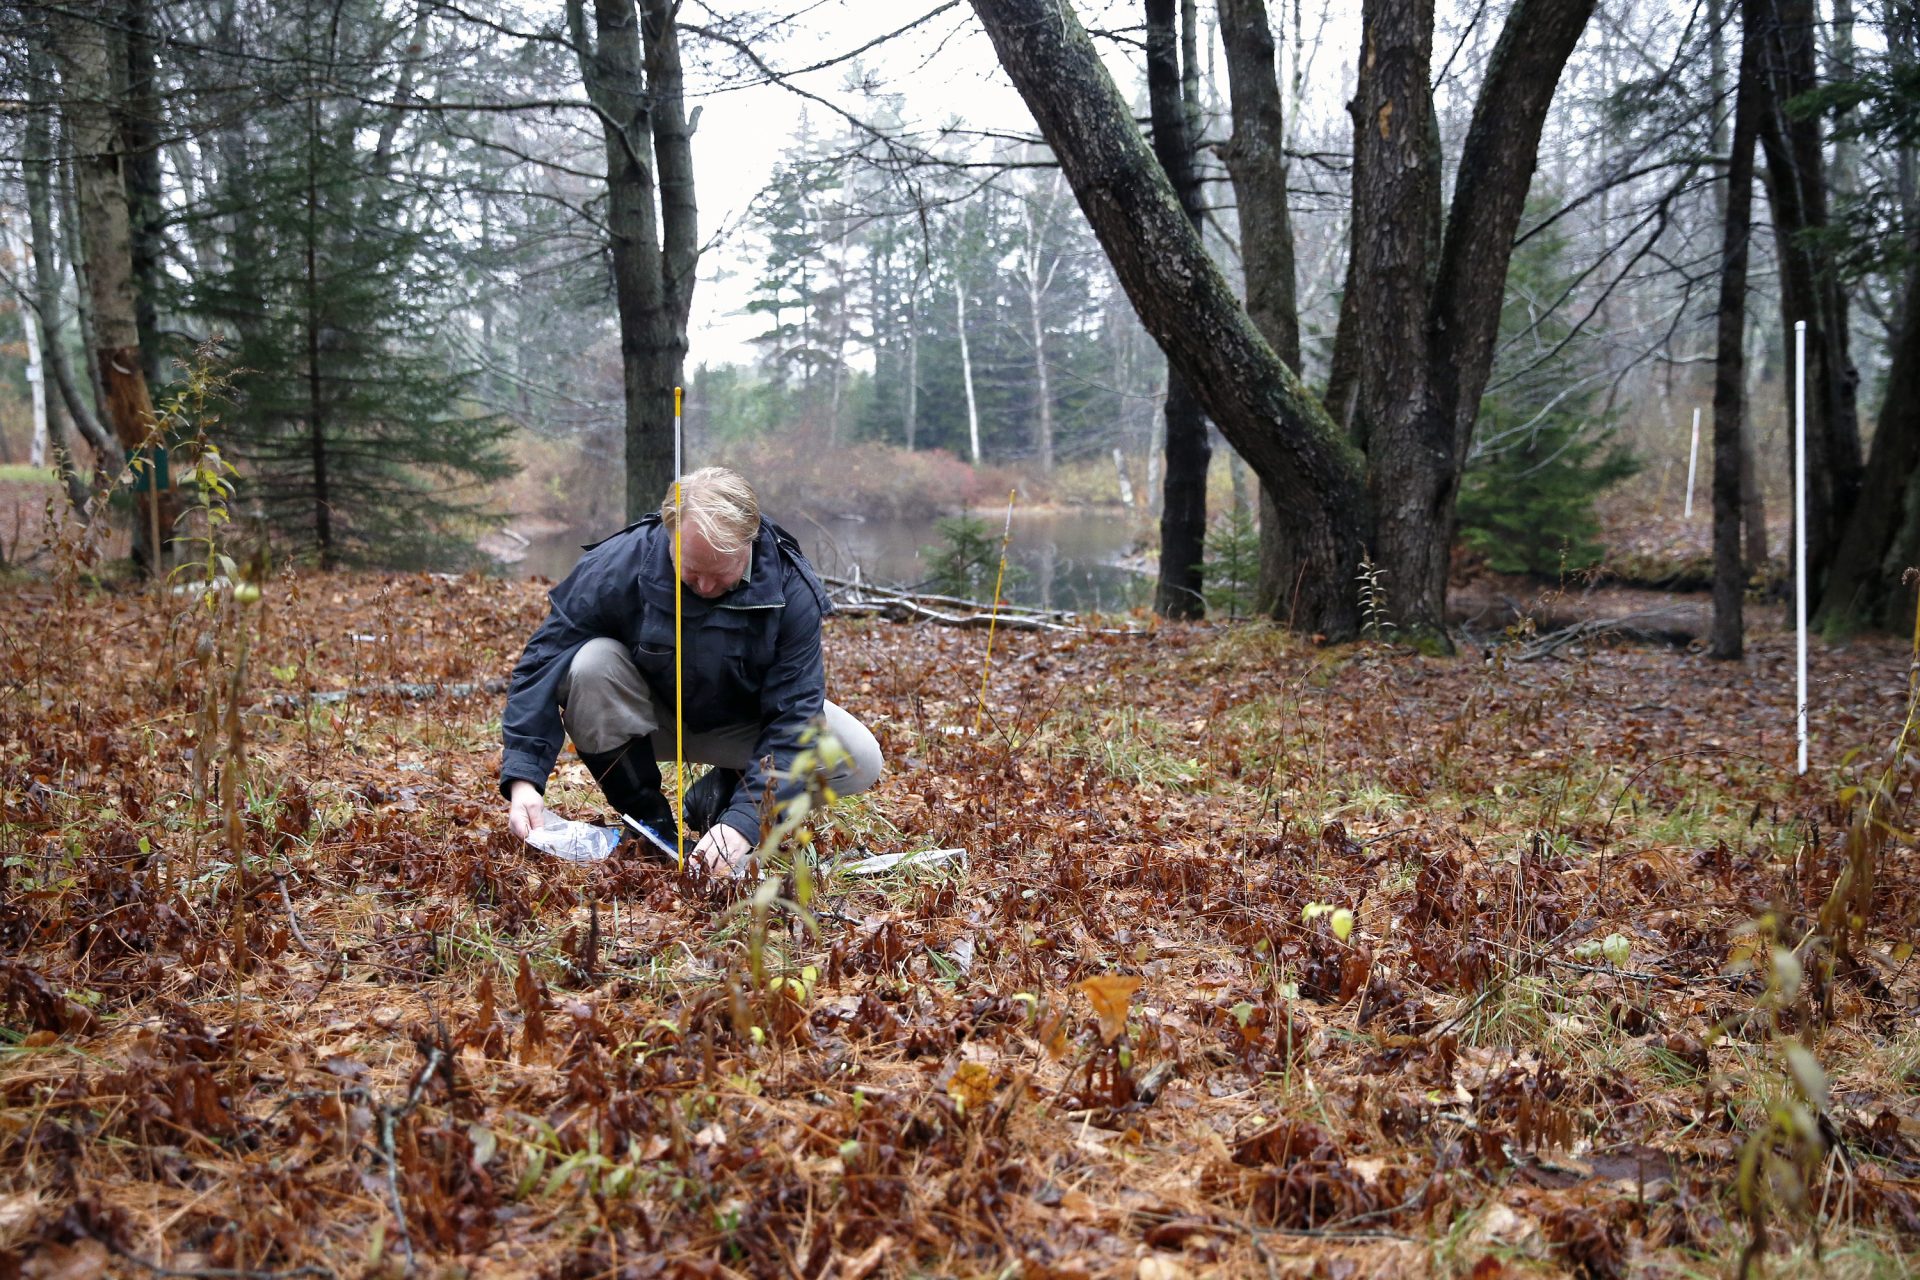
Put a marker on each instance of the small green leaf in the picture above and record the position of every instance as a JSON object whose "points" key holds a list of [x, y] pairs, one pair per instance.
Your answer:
{"points": [[1617, 949]]}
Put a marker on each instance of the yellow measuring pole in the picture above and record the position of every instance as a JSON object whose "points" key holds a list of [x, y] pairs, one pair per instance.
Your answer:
{"points": [[993, 618], [679, 718]]}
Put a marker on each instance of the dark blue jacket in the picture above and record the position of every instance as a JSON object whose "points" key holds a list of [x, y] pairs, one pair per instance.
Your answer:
{"points": [[752, 655]]}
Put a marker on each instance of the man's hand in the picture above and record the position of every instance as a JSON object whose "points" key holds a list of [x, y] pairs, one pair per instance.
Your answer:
{"points": [[528, 810], [723, 852]]}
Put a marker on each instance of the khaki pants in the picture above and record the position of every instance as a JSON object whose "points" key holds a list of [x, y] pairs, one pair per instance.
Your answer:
{"points": [[606, 703]]}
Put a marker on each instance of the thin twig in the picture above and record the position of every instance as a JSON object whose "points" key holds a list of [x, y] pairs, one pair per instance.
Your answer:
{"points": [[212, 1273], [293, 923], [388, 1116]]}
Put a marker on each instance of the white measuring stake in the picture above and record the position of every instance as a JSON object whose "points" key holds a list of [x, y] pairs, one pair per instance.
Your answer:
{"points": [[1693, 460], [1800, 523]]}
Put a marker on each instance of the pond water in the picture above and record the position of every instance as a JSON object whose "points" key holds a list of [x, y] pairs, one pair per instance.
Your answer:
{"points": [[1056, 559]]}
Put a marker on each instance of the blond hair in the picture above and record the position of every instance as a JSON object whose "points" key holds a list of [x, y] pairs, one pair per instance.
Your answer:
{"points": [[720, 505]]}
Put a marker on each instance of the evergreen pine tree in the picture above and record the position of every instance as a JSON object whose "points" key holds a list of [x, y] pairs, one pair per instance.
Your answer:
{"points": [[352, 426], [1543, 448]]}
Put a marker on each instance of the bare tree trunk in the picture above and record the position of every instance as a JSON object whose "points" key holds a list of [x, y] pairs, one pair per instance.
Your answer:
{"points": [[101, 196], [1394, 256], [1186, 303], [316, 402], [1727, 638], [17, 250], [966, 368], [1753, 503], [1037, 274], [1869, 585], [37, 175], [140, 128], [1809, 284], [1429, 338], [631, 69], [913, 367], [1183, 511], [1257, 165]]}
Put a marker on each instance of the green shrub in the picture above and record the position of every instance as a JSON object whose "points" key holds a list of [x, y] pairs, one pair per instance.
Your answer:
{"points": [[1529, 507], [1232, 563]]}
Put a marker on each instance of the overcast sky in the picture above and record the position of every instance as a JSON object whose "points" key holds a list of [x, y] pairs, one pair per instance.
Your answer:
{"points": [[945, 68]]}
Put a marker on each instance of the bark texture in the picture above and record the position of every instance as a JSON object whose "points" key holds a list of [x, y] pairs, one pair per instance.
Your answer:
{"points": [[1187, 305], [1868, 585], [1727, 638], [1810, 289], [1183, 509], [140, 133], [630, 65], [100, 195], [1257, 166], [1428, 310], [49, 311]]}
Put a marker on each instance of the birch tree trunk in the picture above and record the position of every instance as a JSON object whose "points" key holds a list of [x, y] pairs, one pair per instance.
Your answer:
{"points": [[966, 369], [18, 251], [104, 228], [913, 368], [1037, 274], [49, 313]]}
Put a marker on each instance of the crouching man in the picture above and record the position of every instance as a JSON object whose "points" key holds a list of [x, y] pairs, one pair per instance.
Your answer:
{"points": [[601, 669]]}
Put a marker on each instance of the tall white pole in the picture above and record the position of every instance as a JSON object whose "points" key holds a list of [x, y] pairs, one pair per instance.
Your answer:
{"points": [[1800, 523], [1693, 460]]}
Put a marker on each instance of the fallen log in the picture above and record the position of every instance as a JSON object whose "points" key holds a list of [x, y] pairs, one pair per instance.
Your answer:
{"points": [[856, 598]]}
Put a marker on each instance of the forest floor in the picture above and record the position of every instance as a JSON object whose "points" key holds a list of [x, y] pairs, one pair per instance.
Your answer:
{"points": [[1586, 968]]}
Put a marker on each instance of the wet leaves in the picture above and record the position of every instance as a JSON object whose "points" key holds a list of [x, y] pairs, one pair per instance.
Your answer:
{"points": [[495, 1062]]}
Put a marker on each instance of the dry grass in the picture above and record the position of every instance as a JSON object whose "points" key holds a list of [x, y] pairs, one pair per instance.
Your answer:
{"points": [[396, 1034]]}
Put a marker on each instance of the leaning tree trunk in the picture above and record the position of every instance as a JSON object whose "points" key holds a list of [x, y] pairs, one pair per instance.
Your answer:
{"points": [[634, 80], [1257, 165], [1727, 638], [101, 196], [1183, 510], [1809, 284], [1186, 303]]}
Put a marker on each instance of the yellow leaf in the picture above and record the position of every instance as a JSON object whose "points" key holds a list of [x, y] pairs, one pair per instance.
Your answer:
{"points": [[972, 1086], [1110, 995], [1052, 1033]]}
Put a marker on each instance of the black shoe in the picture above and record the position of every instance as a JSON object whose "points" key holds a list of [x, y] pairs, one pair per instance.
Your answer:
{"points": [[710, 797], [630, 779]]}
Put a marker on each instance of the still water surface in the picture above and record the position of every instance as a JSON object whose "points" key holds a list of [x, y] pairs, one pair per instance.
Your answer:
{"points": [[1065, 559]]}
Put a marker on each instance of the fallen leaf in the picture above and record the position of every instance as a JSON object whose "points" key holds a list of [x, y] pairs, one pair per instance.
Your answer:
{"points": [[971, 1086], [1111, 996]]}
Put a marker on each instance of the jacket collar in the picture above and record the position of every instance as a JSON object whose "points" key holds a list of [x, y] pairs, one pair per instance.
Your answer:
{"points": [[764, 588]]}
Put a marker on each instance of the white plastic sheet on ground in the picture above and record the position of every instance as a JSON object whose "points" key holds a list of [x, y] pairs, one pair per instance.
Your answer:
{"points": [[574, 841]]}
